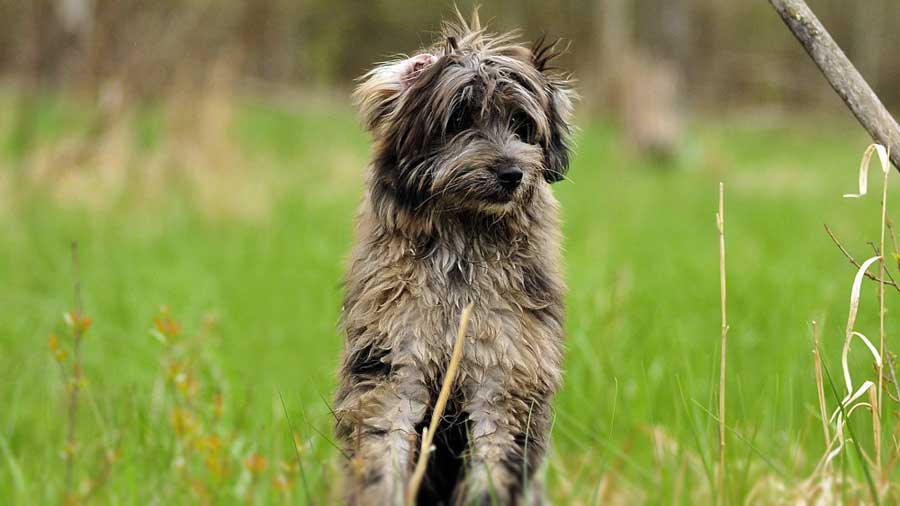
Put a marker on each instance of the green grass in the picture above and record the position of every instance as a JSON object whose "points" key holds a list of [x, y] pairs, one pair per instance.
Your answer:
{"points": [[641, 258]]}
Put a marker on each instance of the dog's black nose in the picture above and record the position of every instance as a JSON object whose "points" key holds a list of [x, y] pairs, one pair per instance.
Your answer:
{"points": [[510, 176]]}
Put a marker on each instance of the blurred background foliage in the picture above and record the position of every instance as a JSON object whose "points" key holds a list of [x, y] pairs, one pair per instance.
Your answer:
{"points": [[724, 51], [645, 64]]}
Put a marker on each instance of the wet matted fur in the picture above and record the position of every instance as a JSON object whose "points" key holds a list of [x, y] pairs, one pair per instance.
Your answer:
{"points": [[468, 135]]}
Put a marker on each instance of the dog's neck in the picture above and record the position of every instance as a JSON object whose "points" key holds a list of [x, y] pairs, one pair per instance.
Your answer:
{"points": [[471, 235]]}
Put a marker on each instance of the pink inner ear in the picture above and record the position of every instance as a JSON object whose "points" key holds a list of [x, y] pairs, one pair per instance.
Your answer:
{"points": [[413, 67]]}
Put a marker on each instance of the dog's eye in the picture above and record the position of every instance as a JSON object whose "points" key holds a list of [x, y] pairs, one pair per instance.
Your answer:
{"points": [[524, 128], [460, 120]]}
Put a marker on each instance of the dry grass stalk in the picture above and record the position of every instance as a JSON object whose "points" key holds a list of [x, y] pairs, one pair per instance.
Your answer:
{"points": [[876, 408], [99, 166], [876, 427], [872, 390], [848, 403], [428, 435], [720, 223], [820, 385], [884, 156]]}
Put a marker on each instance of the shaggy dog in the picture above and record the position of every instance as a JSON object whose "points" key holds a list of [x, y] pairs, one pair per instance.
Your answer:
{"points": [[468, 135]]}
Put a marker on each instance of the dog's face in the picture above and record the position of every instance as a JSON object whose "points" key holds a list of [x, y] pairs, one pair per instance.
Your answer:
{"points": [[476, 122]]}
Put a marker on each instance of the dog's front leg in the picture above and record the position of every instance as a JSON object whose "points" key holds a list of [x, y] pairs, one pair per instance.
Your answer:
{"points": [[508, 437], [378, 426]]}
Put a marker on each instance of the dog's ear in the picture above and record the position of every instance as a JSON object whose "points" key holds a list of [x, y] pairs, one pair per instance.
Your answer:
{"points": [[377, 94], [380, 89], [559, 110], [557, 145]]}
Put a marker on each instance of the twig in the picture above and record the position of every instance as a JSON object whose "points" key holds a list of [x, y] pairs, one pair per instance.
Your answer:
{"points": [[886, 272], [428, 436], [853, 260], [720, 223], [820, 384], [841, 74]]}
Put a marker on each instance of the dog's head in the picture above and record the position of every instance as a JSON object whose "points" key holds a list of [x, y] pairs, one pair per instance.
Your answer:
{"points": [[475, 122]]}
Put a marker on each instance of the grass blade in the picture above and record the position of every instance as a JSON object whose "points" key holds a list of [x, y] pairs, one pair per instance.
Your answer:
{"points": [[296, 451]]}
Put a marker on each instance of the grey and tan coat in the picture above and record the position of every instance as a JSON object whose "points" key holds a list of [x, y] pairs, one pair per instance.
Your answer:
{"points": [[468, 136]]}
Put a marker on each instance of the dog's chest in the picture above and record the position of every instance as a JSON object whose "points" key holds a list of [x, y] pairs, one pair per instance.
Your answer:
{"points": [[407, 300], [511, 295]]}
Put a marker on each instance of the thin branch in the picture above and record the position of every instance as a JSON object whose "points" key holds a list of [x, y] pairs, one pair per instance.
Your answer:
{"points": [[854, 262], [841, 74], [887, 273]]}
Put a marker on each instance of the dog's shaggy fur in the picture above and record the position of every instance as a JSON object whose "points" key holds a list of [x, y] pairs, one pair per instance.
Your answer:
{"points": [[468, 135]]}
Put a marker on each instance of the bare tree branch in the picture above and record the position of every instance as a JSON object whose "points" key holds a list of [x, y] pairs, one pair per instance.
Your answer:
{"points": [[841, 74], [853, 260]]}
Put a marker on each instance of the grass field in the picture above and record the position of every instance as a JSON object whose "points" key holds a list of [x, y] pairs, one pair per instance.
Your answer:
{"points": [[252, 262]]}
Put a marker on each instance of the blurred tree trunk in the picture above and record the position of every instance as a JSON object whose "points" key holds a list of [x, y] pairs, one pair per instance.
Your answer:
{"points": [[34, 69], [641, 73], [613, 24], [868, 36], [675, 32]]}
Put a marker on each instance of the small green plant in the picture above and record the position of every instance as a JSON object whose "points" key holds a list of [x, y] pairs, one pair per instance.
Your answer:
{"points": [[211, 457], [66, 352]]}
